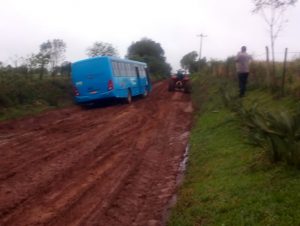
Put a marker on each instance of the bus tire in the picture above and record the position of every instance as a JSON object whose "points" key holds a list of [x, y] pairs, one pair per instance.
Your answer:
{"points": [[129, 97]]}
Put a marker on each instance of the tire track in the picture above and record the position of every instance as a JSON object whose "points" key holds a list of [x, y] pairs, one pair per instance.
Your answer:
{"points": [[115, 165]]}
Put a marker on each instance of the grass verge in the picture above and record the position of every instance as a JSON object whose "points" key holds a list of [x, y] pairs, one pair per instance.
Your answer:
{"points": [[228, 181]]}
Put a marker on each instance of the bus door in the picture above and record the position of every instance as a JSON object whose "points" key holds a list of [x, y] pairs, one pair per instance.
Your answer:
{"points": [[139, 82], [149, 85]]}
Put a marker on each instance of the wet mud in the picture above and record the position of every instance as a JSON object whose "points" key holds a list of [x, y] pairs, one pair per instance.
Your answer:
{"points": [[107, 165]]}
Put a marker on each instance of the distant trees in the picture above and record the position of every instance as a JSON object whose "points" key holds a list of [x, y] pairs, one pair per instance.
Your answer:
{"points": [[101, 49], [189, 61], [51, 52], [48, 59], [66, 68], [41, 60], [272, 12], [57, 52], [152, 53]]}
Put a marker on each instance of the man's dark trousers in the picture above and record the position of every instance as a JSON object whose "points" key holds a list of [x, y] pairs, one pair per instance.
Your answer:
{"points": [[243, 77]]}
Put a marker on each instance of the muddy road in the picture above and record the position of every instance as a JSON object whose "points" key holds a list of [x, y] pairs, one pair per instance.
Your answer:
{"points": [[115, 165]]}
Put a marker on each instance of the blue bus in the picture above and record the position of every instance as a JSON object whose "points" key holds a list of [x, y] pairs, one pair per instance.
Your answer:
{"points": [[109, 77]]}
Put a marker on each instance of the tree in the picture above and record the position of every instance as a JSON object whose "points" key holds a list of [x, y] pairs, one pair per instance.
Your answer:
{"points": [[53, 50], [42, 59], [16, 60], [101, 49], [31, 63], [189, 61], [57, 51], [201, 65], [152, 53], [273, 14], [66, 68]]}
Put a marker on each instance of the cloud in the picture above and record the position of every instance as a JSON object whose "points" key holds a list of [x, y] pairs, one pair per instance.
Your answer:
{"points": [[24, 25]]}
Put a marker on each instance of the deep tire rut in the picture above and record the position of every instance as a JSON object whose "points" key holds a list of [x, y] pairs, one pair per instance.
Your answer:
{"points": [[113, 165]]}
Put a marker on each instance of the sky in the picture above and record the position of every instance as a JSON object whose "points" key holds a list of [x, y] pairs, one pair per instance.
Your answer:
{"points": [[175, 24]]}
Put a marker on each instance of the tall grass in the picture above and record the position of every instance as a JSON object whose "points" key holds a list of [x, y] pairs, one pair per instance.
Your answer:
{"points": [[25, 93], [276, 131], [17, 90], [259, 76]]}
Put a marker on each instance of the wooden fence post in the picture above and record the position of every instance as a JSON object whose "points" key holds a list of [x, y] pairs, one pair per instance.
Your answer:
{"points": [[284, 72], [268, 67]]}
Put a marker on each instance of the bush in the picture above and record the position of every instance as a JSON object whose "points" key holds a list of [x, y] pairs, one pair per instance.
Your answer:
{"points": [[278, 133], [17, 90]]}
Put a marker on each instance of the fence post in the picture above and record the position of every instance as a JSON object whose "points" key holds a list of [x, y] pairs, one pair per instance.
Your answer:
{"points": [[284, 71], [268, 67]]}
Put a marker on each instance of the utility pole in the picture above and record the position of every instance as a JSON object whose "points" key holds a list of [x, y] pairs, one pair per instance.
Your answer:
{"points": [[201, 40]]}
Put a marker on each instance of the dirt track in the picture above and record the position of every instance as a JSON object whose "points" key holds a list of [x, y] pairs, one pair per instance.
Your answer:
{"points": [[110, 166]]}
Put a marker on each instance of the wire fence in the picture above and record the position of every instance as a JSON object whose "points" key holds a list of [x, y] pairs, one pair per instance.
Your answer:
{"points": [[279, 55]]}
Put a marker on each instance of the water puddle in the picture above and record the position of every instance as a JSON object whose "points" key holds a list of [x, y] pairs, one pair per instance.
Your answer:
{"points": [[182, 166], [179, 180]]}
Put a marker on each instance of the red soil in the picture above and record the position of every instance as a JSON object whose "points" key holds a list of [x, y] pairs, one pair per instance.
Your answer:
{"points": [[115, 165]]}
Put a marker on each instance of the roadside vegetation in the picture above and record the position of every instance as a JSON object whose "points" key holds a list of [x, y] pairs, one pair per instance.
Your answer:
{"points": [[244, 159], [21, 96], [42, 80]]}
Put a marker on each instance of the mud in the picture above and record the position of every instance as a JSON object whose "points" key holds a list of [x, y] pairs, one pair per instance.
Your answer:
{"points": [[114, 165]]}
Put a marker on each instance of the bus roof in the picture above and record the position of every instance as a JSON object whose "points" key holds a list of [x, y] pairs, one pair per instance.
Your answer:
{"points": [[111, 58]]}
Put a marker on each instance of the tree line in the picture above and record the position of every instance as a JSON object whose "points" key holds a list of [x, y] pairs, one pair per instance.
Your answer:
{"points": [[50, 60]]}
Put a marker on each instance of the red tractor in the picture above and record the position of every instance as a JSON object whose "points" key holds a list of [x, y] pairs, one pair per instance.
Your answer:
{"points": [[180, 81]]}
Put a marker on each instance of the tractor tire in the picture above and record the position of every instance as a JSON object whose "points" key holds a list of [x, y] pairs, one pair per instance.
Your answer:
{"points": [[171, 87], [187, 87]]}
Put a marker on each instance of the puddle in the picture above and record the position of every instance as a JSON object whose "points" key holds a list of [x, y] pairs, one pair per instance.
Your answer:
{"points": [[179, 180], [182, 166]]}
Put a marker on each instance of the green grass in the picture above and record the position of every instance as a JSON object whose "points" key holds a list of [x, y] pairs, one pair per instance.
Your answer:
{"points": [[21, 96], [230, 182], [267, 102]]}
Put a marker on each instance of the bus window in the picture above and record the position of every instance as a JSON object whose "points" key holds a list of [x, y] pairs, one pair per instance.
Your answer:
{"points": [[128, 70], [115, 69], [132, 70], [141, 71], [120, 69], [123, 69]]}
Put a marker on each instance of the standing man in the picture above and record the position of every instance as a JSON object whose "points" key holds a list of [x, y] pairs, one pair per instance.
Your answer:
{"points": [[243, 60]]}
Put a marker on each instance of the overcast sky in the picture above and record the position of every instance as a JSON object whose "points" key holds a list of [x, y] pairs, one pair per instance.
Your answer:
{"points": [[25, 24]]}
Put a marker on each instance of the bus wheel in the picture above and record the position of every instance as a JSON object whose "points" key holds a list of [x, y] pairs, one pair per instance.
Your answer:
{"points": [[129, 97]]}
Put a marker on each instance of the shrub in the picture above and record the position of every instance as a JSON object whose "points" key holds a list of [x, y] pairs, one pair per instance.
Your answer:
{"points": [[278, 133], [17, 90]]}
